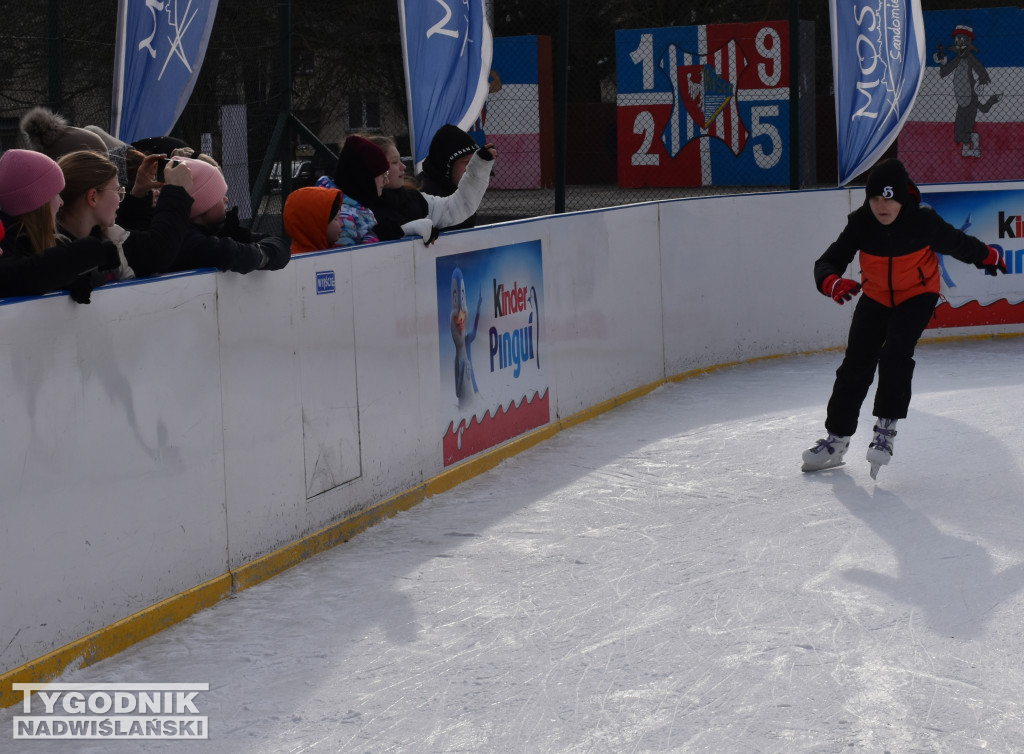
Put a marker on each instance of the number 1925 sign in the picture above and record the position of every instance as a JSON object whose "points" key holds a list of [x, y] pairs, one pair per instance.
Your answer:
{"points": [[703, 105]]}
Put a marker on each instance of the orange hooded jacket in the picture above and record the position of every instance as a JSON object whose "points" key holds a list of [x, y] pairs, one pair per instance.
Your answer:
{"points": [[306, 215]]}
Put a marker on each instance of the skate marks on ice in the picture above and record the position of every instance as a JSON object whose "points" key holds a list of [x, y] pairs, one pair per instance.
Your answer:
{"points": [[952, 580], [658, 579], [949, 508]]}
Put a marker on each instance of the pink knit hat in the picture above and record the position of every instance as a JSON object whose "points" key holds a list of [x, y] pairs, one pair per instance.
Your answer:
{"points": [[208, 185], [28, 180]]}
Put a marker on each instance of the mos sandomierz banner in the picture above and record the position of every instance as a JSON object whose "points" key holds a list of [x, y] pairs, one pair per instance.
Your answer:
{"points": [[878, 59], [447, 48], [160, 49]]}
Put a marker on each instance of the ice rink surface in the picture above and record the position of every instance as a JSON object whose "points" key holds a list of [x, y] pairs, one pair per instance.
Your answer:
{"points": [[662, 578]]}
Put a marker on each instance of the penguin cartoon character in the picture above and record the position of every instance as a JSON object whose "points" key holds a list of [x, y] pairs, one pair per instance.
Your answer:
{"points": [[465, 381], [969, 76]]}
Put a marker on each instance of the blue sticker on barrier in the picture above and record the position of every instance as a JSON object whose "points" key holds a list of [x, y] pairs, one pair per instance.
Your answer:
{"points": [[325, 282]]}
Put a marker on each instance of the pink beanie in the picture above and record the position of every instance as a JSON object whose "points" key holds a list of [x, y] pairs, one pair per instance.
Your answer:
{"points": [[28, 180], [208, 185]]}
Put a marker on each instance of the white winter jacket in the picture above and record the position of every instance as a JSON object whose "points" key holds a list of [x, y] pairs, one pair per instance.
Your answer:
{"points": [[445, 211]]}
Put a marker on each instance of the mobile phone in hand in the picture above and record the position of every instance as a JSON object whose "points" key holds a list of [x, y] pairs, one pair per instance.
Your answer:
{"points": [[161, 164]]}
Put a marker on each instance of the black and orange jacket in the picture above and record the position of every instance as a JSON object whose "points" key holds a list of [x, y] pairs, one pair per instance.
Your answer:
{"points": [[898, 261]]}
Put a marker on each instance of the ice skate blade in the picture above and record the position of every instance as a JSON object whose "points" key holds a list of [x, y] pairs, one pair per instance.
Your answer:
{"points": [[808, 469], [874, 470]]}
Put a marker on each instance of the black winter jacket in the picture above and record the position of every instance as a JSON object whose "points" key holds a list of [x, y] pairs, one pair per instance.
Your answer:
{"points": [[24, 273], [898, 261], [205, 248]]}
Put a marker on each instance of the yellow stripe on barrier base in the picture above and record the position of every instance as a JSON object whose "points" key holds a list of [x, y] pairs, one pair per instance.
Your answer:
{"points": [[120, 635], [114, 638]]}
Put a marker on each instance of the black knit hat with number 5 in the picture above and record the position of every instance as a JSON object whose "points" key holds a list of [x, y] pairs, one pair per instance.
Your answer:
{"points": [[889, 179]]}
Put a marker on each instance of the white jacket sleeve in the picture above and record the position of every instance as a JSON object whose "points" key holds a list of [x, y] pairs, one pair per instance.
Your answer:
{"points": [[445, 211]]}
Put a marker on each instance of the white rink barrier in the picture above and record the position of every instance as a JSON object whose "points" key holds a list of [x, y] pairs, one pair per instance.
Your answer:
{"points": [[184, 437]]}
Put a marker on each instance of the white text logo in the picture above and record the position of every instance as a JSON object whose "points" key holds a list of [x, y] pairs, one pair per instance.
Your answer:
{"points": [[111, 711]]}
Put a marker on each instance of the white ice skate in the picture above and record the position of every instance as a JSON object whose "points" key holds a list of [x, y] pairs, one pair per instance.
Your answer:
{"points": [[880, 449], [827, 453]]}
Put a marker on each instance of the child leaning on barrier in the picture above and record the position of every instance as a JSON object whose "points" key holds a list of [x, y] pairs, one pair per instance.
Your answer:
{"points": [[453, 159], [362, 173], [32, 262], [402, 201], [311, 218], [897, 239], [210, 243], [92, 196]]}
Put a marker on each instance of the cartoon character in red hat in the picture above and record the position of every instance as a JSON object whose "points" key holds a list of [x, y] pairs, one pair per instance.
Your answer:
{"points": [[969, 76]]}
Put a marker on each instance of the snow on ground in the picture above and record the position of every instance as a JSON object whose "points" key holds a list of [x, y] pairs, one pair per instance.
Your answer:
{"points": [[662, 578]]}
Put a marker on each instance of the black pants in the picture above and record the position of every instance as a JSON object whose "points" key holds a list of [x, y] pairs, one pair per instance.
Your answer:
{"points": [[884, 337]]}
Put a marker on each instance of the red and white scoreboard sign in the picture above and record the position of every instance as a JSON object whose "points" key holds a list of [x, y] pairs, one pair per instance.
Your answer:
{"points": [[704, 105]]}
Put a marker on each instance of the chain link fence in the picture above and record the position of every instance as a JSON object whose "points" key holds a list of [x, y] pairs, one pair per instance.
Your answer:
{"points": [[967, 123], [644, 100]]}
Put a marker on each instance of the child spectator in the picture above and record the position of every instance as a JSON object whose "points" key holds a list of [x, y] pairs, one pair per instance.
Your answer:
{"points": [[91, 197], [32, 263], [136, 210], [451, 151], [897, 240], [209, 244], [361, 173], [402, 201], [311, 218]]}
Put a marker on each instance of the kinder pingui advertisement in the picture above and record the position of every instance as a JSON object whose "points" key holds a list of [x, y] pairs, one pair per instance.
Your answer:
{"points": [[490, 306], [970, 297]]}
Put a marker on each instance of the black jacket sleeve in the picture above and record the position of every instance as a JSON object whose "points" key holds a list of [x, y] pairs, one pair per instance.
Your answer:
{"points": [[946, 239], [277, 252], [202, 249], [154, 251], [838, 255], [135, 212], [55, 269]]}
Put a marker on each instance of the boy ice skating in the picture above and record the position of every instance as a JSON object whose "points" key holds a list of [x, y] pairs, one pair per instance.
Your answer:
{"points": [[898, 240]]}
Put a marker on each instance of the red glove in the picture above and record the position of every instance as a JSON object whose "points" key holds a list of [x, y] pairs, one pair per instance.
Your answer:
{"points": [[994, 263], [840, 289]]}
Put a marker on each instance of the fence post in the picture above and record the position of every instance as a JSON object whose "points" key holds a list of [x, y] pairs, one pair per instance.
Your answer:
{"points": [[794, 94], [561, 103], [284, 16]]}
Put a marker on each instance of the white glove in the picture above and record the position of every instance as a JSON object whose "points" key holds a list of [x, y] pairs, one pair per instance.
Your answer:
{"points": [[423, 228]]}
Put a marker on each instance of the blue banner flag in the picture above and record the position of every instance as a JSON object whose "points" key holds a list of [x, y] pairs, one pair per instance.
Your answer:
{"points": [[447, 48], [160, 49], [878, 60]]}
